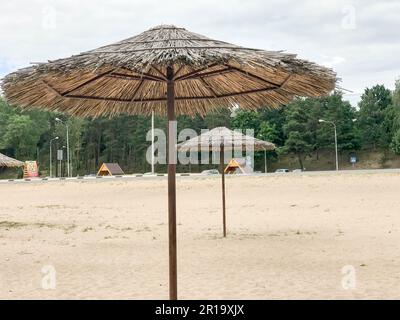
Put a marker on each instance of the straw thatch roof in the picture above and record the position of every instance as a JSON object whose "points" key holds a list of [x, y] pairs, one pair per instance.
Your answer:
{"points": [[215, 138], [130, 77], [9, 162]]}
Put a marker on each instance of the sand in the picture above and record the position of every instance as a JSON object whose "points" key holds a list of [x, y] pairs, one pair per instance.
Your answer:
{"points": [[289, 237]]}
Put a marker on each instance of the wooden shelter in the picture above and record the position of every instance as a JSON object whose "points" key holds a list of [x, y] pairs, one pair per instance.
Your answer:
{"points": [[222, 139], [238, 165], [9, 162], [110, 169], [168, 70]]}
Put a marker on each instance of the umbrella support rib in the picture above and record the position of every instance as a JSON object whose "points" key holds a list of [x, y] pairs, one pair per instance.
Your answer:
{"points": [[222, 165], [194, 73], [92, 79], [199, 73], [162, 99], [173, 283], [251, 75], [159, 72]]}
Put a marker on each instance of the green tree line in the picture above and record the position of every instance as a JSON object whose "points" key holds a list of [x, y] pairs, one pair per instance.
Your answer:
{"points": [[294, 128]]}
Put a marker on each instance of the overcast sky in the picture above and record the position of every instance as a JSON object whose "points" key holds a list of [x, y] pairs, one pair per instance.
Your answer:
{"points": [[359, 39]]}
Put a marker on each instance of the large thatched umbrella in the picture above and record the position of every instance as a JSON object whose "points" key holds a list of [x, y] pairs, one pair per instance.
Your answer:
{"points": [[9, 162], [168, 70], [222, 139]]}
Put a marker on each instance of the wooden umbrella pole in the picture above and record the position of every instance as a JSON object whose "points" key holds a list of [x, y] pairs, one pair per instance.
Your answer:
{"points": [[173, 282], [222, 164]]}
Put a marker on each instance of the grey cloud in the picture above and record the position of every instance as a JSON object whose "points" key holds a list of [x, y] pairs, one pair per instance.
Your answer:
{"points": [[313, 29]]}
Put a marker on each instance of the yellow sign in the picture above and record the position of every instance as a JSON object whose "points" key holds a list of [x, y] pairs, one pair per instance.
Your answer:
{"points": [[31, 169]]}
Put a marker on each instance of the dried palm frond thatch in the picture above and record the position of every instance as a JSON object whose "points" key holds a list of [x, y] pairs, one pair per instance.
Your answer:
{"points": [[8, 162], [130, 77], [213, 140]]}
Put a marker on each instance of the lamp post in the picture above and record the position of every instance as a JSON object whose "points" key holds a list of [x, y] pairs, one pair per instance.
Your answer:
{"points": [[68, 156], [51, 161], [265, 156], [265, 161], [61, 166], [152, 142], [336, 147]]}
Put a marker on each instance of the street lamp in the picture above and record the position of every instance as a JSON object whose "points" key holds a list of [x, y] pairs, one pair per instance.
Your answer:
{"points": [[68, 156], [56, 138], [265, 157], [61, 160], [265, 161], [152, 142], [336, 147]]}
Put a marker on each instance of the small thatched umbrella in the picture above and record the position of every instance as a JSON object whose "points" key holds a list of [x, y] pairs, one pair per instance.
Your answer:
{"points": [[168, 70], [9, 162], [223, 139]]}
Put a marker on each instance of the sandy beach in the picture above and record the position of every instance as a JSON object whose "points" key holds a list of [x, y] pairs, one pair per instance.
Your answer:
{"points": [[289, 237]]}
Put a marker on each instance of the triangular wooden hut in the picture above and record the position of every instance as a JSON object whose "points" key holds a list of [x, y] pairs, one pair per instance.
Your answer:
{"points": [[238, 165], [110, 169]]}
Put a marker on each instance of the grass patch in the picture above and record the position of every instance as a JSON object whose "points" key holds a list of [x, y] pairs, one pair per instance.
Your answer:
{"points": [[18, 225], [12, 224]]}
